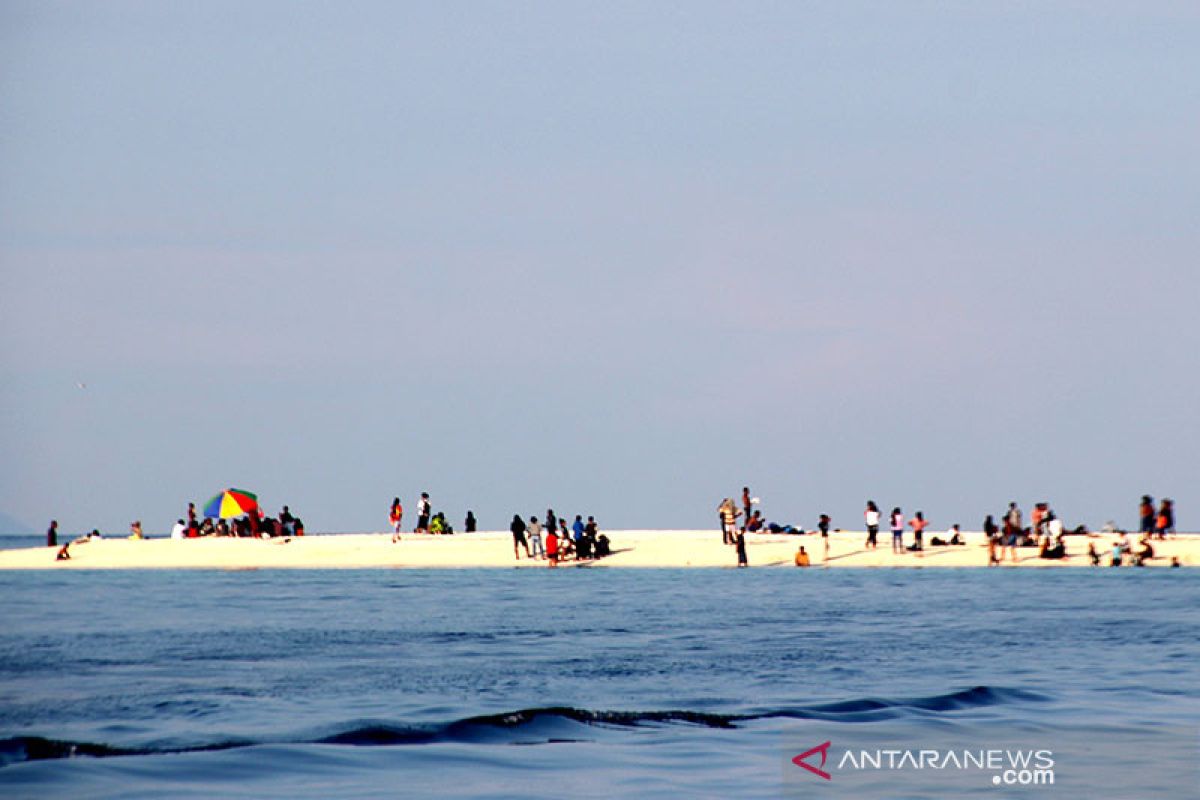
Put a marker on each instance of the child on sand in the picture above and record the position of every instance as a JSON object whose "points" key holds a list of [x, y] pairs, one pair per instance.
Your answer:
{"points": [[897, 523], [395, 516], [740, 541]]}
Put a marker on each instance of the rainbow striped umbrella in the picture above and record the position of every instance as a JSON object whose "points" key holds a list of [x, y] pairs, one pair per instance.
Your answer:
{"points": [[231, 503]]}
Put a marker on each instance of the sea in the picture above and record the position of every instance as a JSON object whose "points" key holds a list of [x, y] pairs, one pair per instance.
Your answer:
{"points": [[599, 683]]}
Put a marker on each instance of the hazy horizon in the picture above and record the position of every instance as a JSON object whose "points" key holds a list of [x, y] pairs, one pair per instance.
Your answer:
{"points": [[619, 260]]}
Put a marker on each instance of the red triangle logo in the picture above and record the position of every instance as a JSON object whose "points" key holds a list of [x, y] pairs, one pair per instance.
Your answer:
{"points": [[823, 749]]}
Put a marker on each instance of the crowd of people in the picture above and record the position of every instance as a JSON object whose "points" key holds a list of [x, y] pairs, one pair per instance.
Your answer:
{"points": [[253, 524], [1045, 531], [426, 522], [582, 542], [554, 541]]}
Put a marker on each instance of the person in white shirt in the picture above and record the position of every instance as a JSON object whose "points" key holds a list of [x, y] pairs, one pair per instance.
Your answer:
{"points": [[177, 532], [1054, 526], [872, 517]]}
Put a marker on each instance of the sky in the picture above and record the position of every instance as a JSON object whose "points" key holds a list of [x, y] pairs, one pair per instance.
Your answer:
{"points": [[615, 258]]}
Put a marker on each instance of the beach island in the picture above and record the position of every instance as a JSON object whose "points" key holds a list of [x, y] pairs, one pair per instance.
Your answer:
{"points": [[630, 548]]}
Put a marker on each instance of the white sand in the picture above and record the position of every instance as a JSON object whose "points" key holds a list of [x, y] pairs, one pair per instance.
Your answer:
{"points": [[494, 549]]}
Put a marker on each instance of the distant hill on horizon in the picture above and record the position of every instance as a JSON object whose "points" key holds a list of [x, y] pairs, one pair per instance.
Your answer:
{"points": [[13, 526]]}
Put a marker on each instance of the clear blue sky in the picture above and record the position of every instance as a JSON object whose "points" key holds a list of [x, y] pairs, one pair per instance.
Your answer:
{"points": [[618, 258]]}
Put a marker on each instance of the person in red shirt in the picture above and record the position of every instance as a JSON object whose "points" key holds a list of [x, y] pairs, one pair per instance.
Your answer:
{"points": [[552, 547], [396, 517], [918, 525]]}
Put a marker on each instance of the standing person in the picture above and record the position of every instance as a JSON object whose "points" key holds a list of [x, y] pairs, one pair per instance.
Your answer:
{"points": [[191, 515], [469, 523], [551, 546], [551, 520], [518, 533], [729, 515], [747, 502], [1162, 520], [1014, 525], [1168, 511], [287, 521], [423, 507], [52, 534], [578, 528], [991, 532], [1146, 514], [396, 517], [740, 541], [823, 526], [897, 524], [1008, 539], [872, 517], [535, 538], [1037, 519], [918, 524]]}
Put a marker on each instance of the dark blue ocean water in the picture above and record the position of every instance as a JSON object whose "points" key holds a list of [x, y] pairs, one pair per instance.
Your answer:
{"points": [[576, 682]]}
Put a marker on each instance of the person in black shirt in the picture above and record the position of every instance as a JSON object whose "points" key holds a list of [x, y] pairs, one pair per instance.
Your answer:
{"points": [[518, 532]]}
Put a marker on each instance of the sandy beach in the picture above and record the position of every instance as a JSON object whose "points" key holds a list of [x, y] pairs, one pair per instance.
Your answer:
{"points": [[633, 548]]}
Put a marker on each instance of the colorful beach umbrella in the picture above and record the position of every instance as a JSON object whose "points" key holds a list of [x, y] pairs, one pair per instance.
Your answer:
{"points": [[231, 503]]}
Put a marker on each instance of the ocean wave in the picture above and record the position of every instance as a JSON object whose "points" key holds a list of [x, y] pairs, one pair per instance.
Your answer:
{"points": [[540, 725]]}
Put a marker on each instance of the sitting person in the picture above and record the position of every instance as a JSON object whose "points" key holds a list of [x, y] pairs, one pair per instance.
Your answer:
{"points": [[437, 524], [954, 534], [755, 523], [1056, 551], [88, 537], [65, 555], [603, 548], [1144, 554], [802, 559], [566, 548]]}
